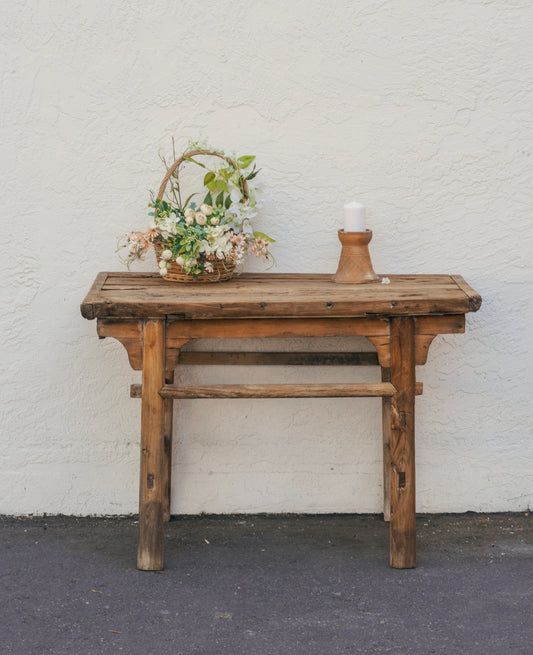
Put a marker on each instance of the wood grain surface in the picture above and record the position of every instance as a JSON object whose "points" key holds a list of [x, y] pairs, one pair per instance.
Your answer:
{"points": [[402, 445], [148, 295], [152, 477]]}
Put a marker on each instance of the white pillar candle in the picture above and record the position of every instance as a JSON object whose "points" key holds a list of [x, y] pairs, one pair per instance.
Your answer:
{"points": [[354, 217]]}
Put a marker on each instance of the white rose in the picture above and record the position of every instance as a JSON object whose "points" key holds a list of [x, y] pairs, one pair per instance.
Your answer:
{"points": [[214, 221], [200, 218], [189, 220], [180, 261], [189, 213], [166, 254], [206, 209]]}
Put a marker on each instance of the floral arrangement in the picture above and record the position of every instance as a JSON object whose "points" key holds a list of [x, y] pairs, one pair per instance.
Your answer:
{"points": [[207, 237]]}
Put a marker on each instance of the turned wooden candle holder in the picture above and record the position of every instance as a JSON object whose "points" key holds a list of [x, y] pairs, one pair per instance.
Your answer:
{"points": [[355, 265]]}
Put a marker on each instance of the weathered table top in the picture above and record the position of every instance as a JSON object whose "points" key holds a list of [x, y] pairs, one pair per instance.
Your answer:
{"points": [[147, 295]]}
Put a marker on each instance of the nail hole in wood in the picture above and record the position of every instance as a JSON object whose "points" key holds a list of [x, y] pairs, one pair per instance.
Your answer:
{"points": [[329, 305], [401, 479], [150, 481]]}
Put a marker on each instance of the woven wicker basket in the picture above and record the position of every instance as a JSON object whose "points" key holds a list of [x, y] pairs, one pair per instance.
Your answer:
{"points": [[222, 269]]}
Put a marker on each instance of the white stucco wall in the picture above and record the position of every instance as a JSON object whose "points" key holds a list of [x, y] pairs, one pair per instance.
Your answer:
{"points": [[422, 110]]}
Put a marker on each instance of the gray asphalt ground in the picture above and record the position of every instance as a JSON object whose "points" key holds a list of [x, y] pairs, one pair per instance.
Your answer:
{"points": [[258, 585]]}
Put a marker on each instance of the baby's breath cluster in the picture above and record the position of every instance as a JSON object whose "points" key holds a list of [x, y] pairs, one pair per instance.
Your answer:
{"points": [[193, 237]]}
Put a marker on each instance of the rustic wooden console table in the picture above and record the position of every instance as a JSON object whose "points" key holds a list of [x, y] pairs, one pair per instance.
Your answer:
{"points": [[154, 318]]}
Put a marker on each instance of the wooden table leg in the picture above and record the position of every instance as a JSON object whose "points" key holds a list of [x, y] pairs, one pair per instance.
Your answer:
{"points": [[402, 470], [385, 402], [167, 463], [151, 487]]}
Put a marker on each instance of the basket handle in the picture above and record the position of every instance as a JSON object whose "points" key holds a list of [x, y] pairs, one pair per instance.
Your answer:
{"points": [[192, 153]]}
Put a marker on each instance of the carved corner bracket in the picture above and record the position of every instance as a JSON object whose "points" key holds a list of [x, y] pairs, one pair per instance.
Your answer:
{"points": [[426, 329], [130, 335]]}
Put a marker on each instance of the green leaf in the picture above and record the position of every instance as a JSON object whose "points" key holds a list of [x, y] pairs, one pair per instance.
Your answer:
{"points": [[220, 199], [221, 186], [194, 161], [209, 177], [187, 201], [265, 237], [253, 174], [208, 200], [228, 202], [245, 160]]}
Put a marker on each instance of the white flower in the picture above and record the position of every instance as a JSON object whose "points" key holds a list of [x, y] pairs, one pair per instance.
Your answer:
{"points": [[189, 220], [207, 210], [218, 231], [214, 220], [385, 280], [247, 228], [235, 195], [180, 261], [167, 226], [200, 218], [217, 241], [247, 211], [166, 254], [189, 212]]}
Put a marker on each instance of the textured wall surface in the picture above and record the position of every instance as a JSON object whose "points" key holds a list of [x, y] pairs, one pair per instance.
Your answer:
{"points": [[422, 110]]}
